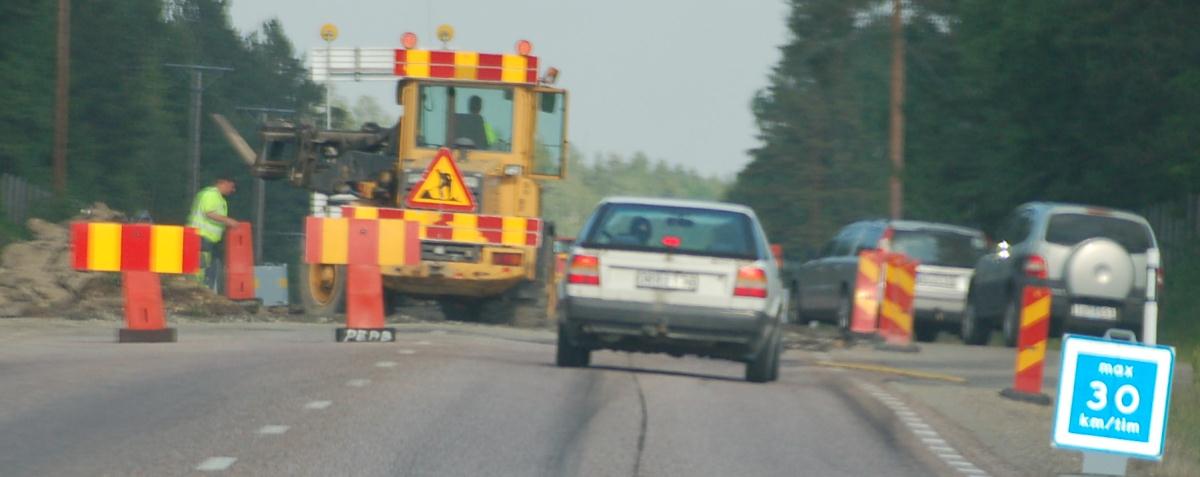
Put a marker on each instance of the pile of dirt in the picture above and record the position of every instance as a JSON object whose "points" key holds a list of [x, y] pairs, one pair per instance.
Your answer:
{"points": [[37, 279]]}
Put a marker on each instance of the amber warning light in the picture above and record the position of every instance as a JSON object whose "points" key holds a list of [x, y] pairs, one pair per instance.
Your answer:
{"points": [[408, 40]]}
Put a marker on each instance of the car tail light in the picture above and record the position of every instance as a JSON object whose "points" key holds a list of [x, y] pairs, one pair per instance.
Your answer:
{"points": [[672, 241], [584, 270], [1160, 277], [751, 282], [507, 258], [1035, 267]]}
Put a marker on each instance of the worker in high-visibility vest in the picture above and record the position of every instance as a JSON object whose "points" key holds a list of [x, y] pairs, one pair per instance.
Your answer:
{"points": [[210, 217]]}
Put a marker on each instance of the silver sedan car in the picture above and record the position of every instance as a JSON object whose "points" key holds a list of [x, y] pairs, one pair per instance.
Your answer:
{"points": [[675, 277]]}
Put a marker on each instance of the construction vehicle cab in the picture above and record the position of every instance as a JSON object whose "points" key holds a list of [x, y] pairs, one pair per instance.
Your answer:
{"points": [[505, 128]]}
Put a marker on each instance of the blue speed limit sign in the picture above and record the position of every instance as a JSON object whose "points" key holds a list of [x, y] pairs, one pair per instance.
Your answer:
{"points": [[1113, 397]]}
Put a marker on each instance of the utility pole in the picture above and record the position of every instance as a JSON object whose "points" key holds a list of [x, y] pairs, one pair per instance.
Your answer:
{"points": [[896, 132], [197, 90], [260, 186], [62, 98]]}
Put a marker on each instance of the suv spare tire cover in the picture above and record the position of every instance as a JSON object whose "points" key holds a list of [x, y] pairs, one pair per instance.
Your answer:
{"points": [[1099, 268]]}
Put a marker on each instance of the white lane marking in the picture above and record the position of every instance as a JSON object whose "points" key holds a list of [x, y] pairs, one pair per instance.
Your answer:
{"points": [[948, 456], [385, 364], [216, 464], [916, 424], [406, 351], [924, 432], [273, 430], [358, 383], [318, 404], [423, 343], [978, 472], [933, 440], [962, 464]]}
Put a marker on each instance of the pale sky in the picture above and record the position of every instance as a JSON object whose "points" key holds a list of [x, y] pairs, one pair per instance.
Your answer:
{"points": [[670, 78]]}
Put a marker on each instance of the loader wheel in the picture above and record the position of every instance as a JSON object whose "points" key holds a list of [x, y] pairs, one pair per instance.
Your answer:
{"points": [[323, 289]]}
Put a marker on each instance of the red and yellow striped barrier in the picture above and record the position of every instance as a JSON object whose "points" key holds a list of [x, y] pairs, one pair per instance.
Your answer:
{"points": [[466, 65], [864, 316], [114, 247], [140, 252], [342, 241], [1031, 346], [896, 313], [458, 227]]}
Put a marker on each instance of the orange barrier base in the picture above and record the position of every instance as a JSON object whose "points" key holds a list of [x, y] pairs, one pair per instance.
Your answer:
{"points": [[145, 320], [364, 307]]}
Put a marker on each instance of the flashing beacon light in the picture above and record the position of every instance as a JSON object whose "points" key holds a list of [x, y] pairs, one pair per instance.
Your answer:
{"points": [[524, 47], [408, 40], [445, 32]]}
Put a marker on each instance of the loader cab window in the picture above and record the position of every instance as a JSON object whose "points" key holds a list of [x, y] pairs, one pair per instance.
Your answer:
{"points": [[461, 117], [550, 142]]}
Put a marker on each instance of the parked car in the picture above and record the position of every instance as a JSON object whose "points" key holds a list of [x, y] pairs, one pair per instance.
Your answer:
{"points": [[945, 253], [1093, 260], [675, 277]]}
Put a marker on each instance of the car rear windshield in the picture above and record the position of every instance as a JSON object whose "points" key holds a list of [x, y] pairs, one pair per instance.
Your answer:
{"points": [[684, 230], [1070, 229], [940, 247]]}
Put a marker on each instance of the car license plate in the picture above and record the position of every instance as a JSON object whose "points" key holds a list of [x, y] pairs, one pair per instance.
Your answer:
{"points": [[667, 280], [1095, 312]]}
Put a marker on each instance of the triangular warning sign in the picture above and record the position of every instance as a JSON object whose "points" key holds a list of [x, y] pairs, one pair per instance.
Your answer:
{"points": [[442, 187]]}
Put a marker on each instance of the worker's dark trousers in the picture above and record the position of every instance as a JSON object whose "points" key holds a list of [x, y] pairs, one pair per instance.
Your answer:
{"points": [[211, 261]]}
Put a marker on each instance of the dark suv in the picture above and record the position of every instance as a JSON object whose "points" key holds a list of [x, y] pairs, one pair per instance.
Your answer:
{"points": [[1093, 260]]}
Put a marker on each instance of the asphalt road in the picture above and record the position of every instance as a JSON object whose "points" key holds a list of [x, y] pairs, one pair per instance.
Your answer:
{"points": [[283, 399]]}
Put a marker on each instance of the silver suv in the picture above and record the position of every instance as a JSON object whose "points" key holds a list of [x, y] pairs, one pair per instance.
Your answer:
{"points": [[1093, 260], [675, 277], [945, 253]]}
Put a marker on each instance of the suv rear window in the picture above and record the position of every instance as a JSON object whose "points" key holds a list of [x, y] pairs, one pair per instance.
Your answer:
{"points": [[939, 248], [683, 230], [1070, 229]]}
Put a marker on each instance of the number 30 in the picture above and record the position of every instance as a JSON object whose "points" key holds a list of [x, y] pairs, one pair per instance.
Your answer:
{"points": [[1127, 392]]}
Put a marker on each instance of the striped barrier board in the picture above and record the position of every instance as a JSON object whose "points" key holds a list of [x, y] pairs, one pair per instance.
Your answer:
{"points": [[389, 63], [115, 247], [352, 241], [864, 317], [896, 313], [460, 227], [1031, 346]]}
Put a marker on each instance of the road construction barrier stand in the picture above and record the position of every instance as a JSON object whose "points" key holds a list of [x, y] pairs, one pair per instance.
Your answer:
{"points": [[456, 227], [140, 252], [363, 246], [1031, 347], [239, 262], [864, 314], [896, 311]]}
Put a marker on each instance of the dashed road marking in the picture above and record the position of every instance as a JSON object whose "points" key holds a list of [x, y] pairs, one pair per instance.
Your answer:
{"points": [[924, 431], [273, 430], [385, 364], [216, 464], [406, 351], [358, 383], [318, 404]]}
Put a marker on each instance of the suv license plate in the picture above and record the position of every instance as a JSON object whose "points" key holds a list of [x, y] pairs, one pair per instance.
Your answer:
{"points": [[667, 281], [1095, 312]]}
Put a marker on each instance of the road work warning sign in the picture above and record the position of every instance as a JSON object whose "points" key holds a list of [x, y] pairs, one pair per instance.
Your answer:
{"points": [[442, 187]]}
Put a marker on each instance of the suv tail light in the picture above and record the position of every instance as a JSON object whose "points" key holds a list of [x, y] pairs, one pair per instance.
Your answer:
{"points": [[507, 258], [751, 282], [1035, 267], [584, 270], [1160, 278]]}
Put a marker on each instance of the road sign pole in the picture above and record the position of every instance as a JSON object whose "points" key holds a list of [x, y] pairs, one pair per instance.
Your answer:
{"points": [[1096, 463], [1150, 310]]}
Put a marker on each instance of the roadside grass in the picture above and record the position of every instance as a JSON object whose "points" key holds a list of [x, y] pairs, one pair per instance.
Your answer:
{"points": [[1179, 326]]}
